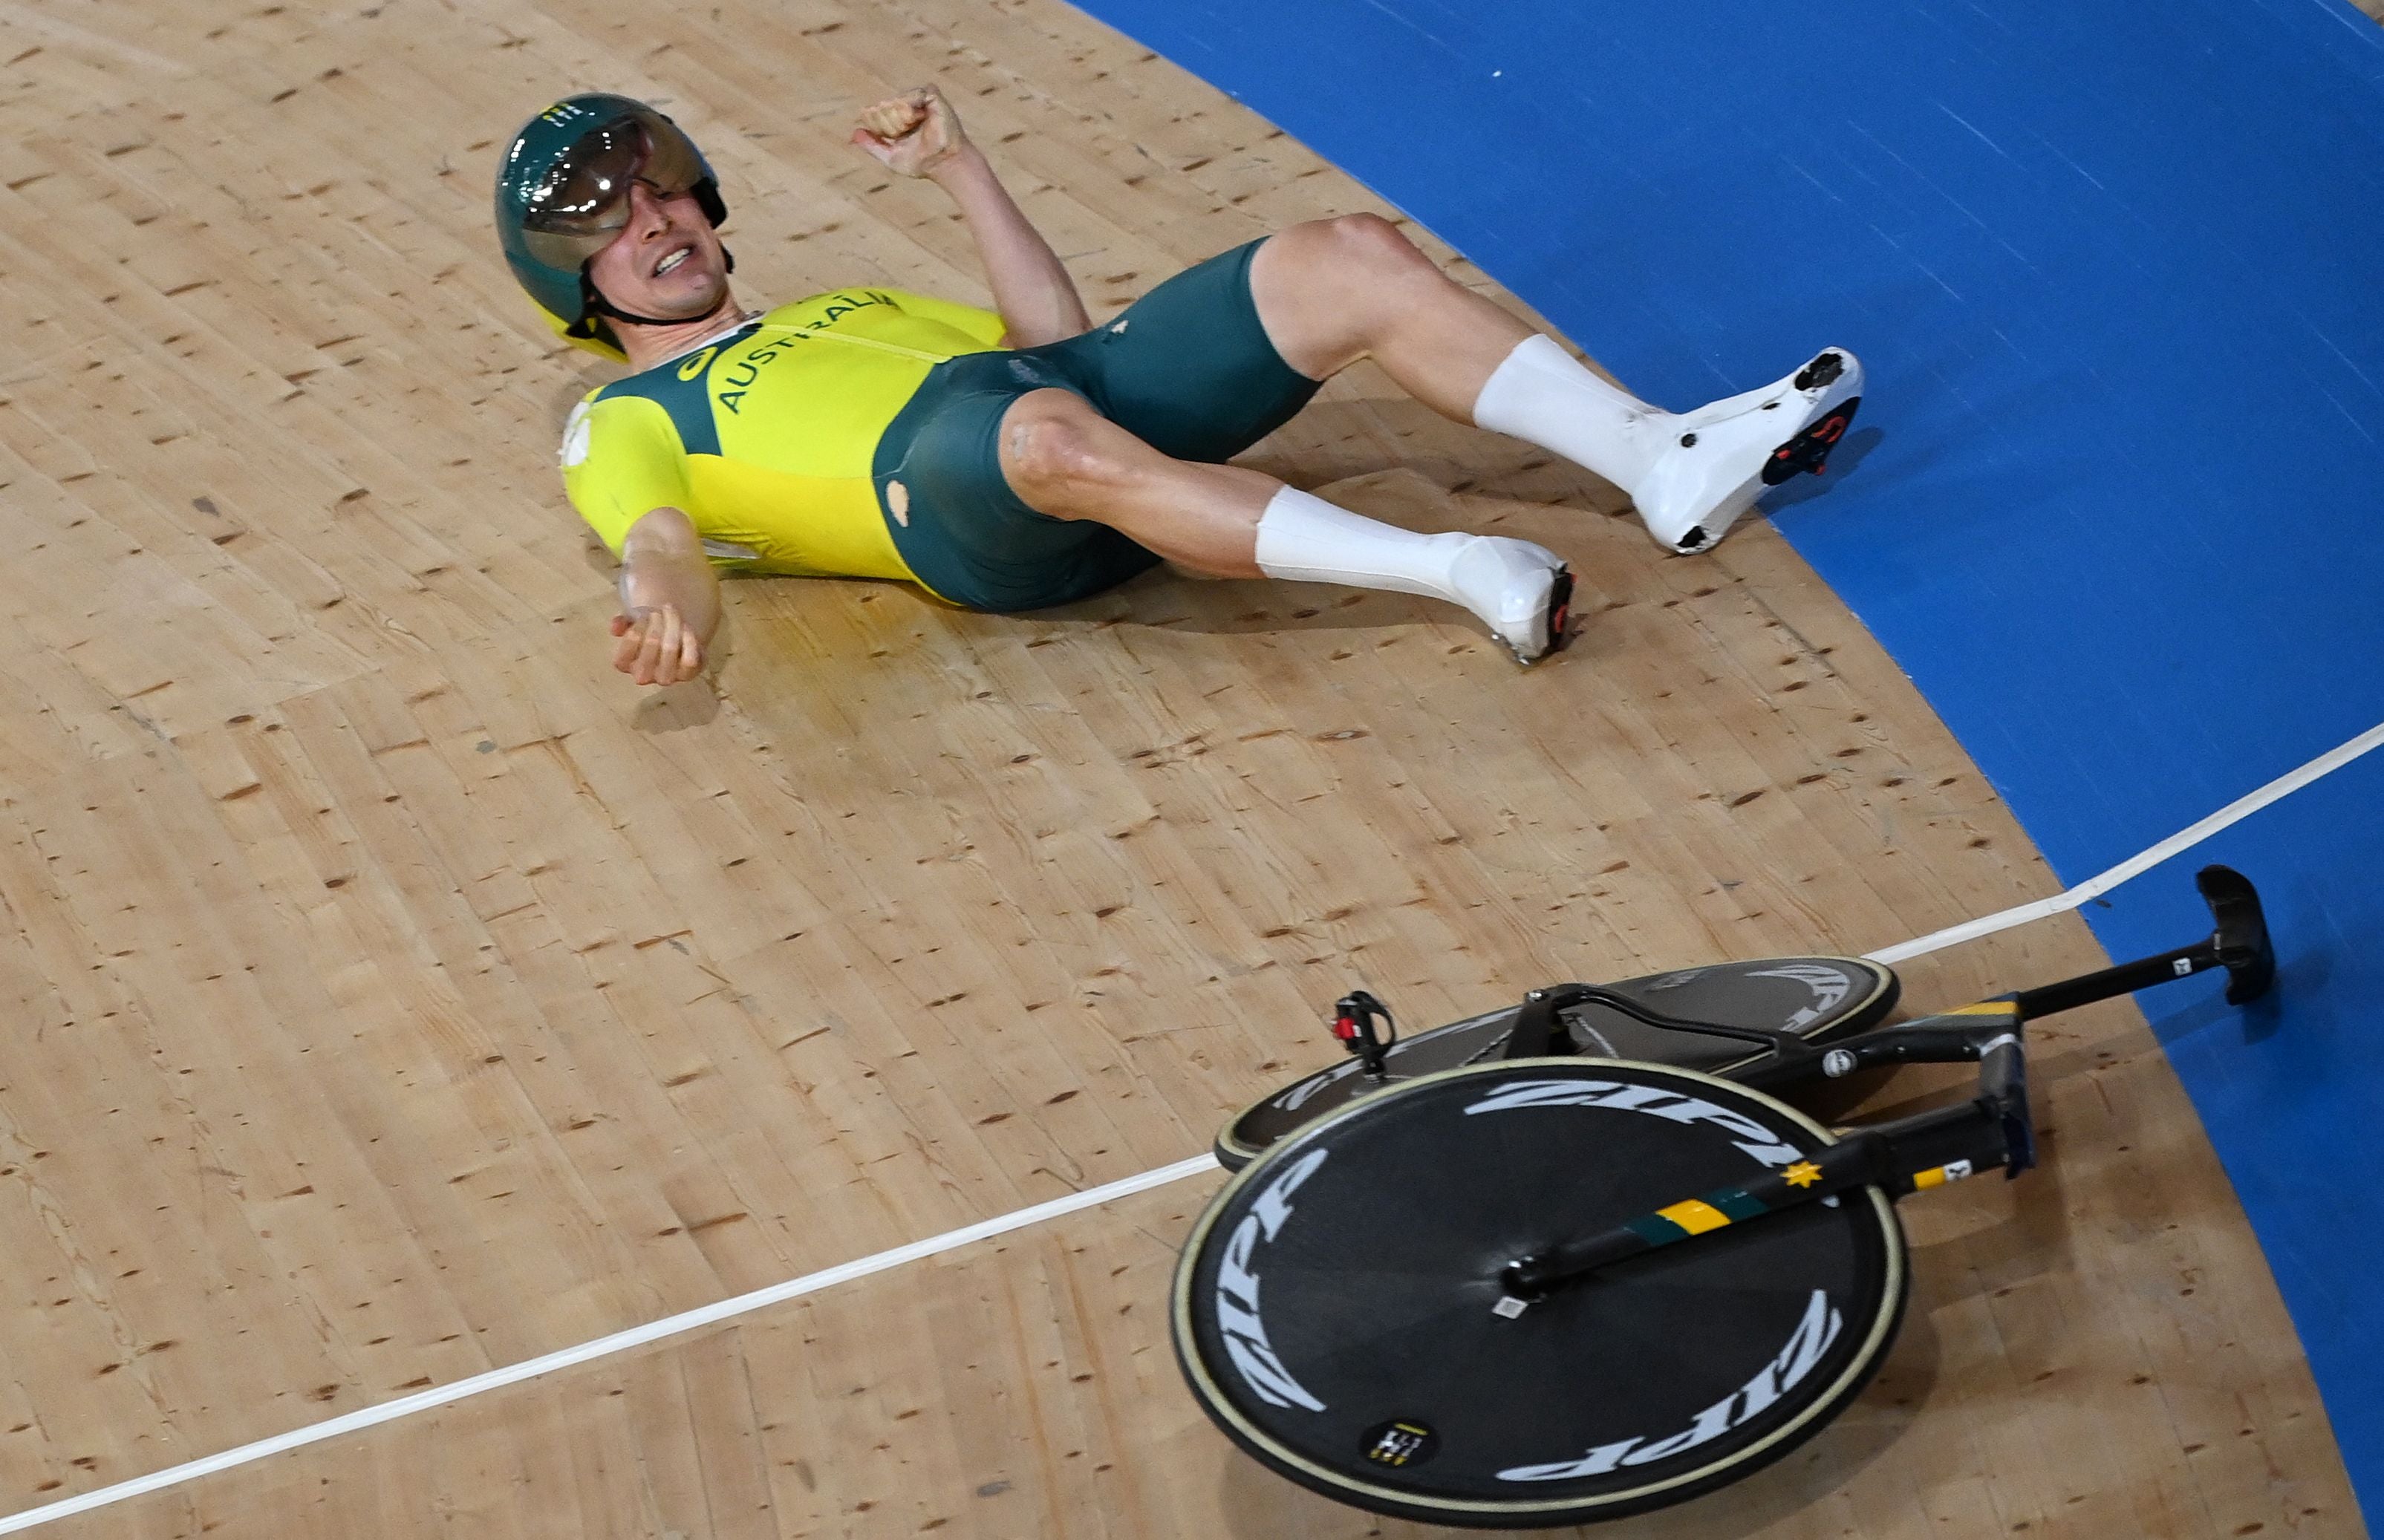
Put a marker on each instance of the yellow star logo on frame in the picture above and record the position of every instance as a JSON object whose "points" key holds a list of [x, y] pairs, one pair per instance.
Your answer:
{"points": [[1804, 1174]]}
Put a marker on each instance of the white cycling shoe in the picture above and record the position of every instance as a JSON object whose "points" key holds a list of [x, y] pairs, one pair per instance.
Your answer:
{"points": [[1726, 454], [1523, 592]]}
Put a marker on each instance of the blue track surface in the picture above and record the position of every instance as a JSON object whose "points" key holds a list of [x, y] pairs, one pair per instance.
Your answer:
{"points": [[2116, 272]]}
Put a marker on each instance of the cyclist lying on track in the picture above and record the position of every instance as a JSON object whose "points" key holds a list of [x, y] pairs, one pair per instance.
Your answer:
{"points": [[1014, 461]]}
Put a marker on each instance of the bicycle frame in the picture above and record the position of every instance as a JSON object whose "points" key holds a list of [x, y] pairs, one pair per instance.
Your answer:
{"points": [[1926, 1150]]}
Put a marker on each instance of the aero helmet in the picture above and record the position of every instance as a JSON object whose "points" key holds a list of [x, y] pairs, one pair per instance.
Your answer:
{"points": [[562, 195]]}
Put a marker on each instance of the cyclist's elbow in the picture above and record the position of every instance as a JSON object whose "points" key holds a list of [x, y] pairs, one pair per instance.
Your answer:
{"points": [[663, 532]]}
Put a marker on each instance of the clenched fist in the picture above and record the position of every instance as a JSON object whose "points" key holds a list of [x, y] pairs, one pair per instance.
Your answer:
{"points": [[912, 134]]}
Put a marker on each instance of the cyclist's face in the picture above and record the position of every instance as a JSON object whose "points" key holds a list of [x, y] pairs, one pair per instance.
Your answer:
{"points": [[667, 260]]}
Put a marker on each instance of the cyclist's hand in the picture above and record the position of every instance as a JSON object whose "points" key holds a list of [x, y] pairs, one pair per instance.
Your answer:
{"points": [[655, 646], [912, 134]]}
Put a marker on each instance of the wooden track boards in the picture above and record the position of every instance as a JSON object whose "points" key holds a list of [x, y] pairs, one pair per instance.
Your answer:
{"points": [[395, 993]]}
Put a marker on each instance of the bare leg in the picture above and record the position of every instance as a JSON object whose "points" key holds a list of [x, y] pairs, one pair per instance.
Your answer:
{"points": [[1331, 292], [1334, 290], [1066, 460]]}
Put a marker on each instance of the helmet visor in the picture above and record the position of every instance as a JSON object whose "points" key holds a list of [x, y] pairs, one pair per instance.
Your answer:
{"points": [[582, 202]]}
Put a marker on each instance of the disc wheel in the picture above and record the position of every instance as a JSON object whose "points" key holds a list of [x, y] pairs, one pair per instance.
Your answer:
{"points": [[1332, 1308], [1820, 998]]}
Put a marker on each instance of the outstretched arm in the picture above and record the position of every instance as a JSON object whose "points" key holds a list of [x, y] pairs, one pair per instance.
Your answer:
{"points": [[670, 601], [917, 134]]}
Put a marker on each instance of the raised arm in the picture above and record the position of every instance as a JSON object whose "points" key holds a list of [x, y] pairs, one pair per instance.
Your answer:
{"points": [[670, 601], [917, 134]]}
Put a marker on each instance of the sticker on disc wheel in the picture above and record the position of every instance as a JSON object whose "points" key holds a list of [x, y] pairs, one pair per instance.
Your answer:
{"points": [[1404, 1442]]}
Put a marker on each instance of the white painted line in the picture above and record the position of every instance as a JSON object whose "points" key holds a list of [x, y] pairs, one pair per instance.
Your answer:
{"points": [[743, 1304], [619, 1342], [2101, 882]]}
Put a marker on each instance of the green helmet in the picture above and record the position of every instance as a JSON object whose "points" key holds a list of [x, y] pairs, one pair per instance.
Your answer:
{"points": [[562, 195]]}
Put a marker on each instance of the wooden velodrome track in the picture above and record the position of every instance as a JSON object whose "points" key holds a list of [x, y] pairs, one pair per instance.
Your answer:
{"points": [[394, 992]]}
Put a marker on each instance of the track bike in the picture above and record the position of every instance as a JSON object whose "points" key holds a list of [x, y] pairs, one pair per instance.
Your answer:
{"points": [[1583, 1257]]}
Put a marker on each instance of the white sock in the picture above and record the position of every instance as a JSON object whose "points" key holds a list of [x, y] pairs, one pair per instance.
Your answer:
{"points": [[1543, 395], [1506, 583], [1307, 539]]}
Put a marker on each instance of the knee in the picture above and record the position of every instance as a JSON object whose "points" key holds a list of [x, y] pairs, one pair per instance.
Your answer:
{"points": [[1374, 244], [1048, 454]]}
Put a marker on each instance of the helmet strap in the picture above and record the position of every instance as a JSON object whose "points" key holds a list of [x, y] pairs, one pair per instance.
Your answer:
{"points": [[593, 302]]}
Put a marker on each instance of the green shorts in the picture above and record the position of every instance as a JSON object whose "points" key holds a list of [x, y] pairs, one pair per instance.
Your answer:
{"points": [[1187, 368]]}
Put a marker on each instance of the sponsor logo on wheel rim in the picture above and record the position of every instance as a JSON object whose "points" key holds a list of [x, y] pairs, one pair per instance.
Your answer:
{"points": [[1237, 1293], [1814, 1334], [1654, 1100], [1829, 985]]}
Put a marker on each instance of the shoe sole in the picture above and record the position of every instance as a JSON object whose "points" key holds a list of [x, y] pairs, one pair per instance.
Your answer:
{"points": [[1806, 454], [1560, 614], [1824, 370]]}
